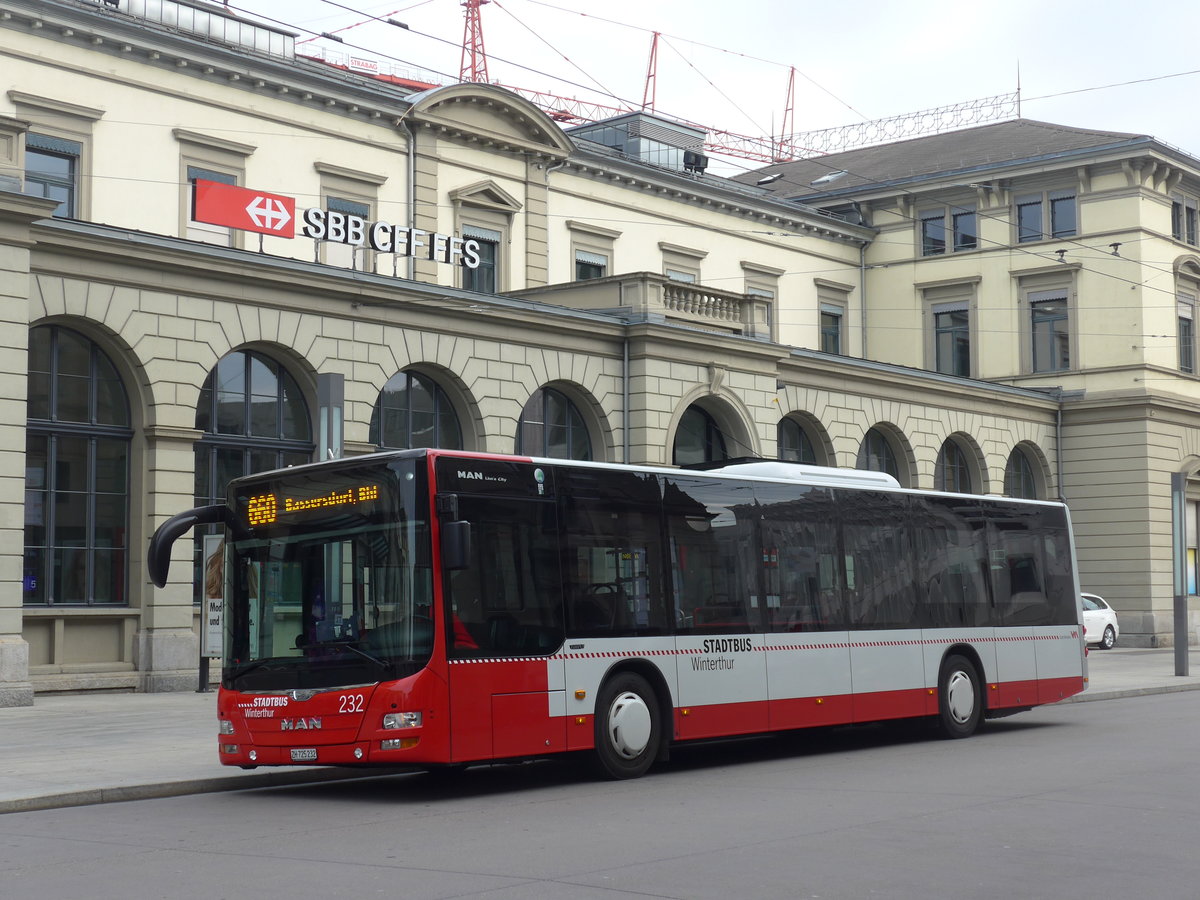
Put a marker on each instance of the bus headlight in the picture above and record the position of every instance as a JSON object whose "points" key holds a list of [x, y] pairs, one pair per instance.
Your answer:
{"points": [[225, 726], [402, 720]]}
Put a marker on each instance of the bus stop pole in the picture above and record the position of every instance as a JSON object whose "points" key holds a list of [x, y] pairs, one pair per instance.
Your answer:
{"points": [[1179, 545]]}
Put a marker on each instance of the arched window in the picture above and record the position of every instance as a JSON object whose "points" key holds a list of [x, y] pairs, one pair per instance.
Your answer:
{"points": [[551, 425], [1019, 480], [76, 473], [254, 418], [875, 454], [951, 471], [698, 439], [794, 445], [414, 411]]}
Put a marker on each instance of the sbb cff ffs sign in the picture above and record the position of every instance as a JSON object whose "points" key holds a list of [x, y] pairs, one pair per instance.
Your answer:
{"points": [[249, 210], [383, 237]]}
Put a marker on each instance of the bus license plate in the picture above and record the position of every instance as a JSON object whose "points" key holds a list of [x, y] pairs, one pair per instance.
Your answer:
{"points": [[306, 754]]}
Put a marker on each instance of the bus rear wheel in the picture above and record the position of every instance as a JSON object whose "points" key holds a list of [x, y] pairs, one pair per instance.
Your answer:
{"points": [[960, 698], [628, 726]]}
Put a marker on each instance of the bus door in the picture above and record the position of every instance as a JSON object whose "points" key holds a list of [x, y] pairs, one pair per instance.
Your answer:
{"points": [[718, 601], [504, 623]]}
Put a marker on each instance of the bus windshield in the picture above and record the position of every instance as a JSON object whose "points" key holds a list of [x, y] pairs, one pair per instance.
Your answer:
{"points": [[328, 581]]}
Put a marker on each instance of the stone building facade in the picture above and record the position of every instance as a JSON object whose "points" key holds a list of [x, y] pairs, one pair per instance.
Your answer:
{"points": [[626, 311]]}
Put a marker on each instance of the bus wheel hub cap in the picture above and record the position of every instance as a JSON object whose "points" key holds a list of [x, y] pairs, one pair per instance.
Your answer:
{"points": [[629, 725], [960, 697]]}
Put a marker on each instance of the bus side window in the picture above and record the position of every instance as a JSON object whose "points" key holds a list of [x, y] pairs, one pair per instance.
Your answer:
{"points": [[715, 555], [801, 559], [612, 554], [508, 601]]}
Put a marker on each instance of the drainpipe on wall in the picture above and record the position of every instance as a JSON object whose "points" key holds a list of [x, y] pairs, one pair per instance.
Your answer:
{"points": [[862, 293], [1061, 397], [625, 397]]}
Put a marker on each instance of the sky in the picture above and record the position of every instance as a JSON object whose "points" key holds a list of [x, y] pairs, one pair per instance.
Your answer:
{"points": [[726, 63]]}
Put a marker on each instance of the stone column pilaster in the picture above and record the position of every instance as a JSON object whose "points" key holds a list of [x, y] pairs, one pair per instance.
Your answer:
{"points": [[17, 215]]}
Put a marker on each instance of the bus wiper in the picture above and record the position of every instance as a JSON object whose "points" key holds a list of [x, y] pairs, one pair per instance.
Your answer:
{"points": [[351, 645], [246, 668]]}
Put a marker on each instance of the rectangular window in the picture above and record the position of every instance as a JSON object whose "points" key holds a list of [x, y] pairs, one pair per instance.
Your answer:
{"points": [[1049, 326], [957, 223], [1050, 214], [711, 535], [952, 339], [831, 328], [933, 233], [1062, 214], [483, 278], [1029, 218], [52, 171], [590, 265], [1187, 333], [966, 235], [1183, 218]]}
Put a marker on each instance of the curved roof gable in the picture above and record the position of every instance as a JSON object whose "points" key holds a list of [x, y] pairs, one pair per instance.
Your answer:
{"points": [[485, 112]]}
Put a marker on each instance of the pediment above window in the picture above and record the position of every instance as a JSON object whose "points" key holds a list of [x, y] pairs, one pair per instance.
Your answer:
{"points": [[487, 195]]}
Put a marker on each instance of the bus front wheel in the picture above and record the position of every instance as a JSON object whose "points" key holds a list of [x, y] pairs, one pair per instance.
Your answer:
{"points": [[960, 698], [628, 726]]}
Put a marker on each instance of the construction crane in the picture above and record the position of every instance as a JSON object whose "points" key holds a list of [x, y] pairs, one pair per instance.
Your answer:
{"points": [[786, 146]]}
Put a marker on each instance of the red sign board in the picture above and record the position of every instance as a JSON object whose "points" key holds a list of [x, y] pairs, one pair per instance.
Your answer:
{"points": [[243, 208]]}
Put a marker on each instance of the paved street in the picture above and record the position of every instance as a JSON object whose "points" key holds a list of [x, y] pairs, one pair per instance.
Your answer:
{"points": [[1080, 800]]}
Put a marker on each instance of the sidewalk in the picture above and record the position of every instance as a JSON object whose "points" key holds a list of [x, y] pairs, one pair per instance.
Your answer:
{"points": [[78, 749]]}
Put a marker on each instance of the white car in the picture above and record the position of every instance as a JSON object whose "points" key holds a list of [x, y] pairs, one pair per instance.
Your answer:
{"points": [[1099, 622]]}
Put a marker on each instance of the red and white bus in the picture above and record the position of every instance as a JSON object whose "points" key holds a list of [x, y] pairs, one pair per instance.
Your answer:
{"points": [[440, 608]]}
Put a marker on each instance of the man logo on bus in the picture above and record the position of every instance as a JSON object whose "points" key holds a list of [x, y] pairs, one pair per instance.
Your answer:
{"points": [[300, 724]]}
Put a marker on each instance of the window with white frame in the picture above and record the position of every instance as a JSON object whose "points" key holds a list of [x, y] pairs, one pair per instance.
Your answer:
{"points": [[483, 212], [948, 229], [948, 325], [57, 151], [1186, 317], [681, 263], [1049, 324], [352, 193], [590, 265], [591, 250], [1183, 218], [762, 287], [832, 316], [485, 277], [210, 158], [952, 338], [1046, 214], [52, 171]]}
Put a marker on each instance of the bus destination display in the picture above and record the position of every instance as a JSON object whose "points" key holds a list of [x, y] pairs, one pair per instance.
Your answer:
{"points": [[266, 509]]}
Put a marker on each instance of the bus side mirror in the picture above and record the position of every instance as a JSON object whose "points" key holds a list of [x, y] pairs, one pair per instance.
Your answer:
{"points": [[158, 556], [456, 544]]}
